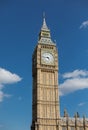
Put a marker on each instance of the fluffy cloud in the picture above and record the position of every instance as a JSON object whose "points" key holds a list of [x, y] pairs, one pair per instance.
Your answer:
{"points": [[84, 24], [6, 77], [73, 81], [76, 73]]}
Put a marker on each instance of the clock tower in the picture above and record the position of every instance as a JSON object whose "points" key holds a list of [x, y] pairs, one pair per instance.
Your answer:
{"points": [[45, 100]]}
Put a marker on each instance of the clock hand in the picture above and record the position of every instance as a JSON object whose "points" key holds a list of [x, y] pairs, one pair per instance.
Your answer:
{"points": [[47, 58]]}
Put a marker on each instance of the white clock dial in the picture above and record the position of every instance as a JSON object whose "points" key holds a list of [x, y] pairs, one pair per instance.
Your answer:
{"points": [[47, 57]]}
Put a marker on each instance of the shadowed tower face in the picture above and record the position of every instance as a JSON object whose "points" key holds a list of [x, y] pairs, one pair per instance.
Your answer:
{"points": [[45, 100]]}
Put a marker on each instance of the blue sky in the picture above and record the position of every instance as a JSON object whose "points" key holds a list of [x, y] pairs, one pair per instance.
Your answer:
{"points": [[20, 23]]}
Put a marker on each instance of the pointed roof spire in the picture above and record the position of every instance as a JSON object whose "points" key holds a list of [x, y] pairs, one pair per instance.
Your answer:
{"points": [[44, 26], [44, 35]]}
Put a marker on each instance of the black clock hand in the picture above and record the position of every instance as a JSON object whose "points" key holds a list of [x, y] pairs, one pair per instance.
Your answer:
{"points": [[47, 57]]}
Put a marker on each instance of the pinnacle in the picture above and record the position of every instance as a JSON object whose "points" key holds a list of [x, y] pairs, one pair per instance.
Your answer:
{"points": [[44, 26]]}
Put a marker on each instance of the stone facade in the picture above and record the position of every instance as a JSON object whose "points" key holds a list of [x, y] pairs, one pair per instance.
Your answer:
{"points": [[45, 101], [76, 123]]}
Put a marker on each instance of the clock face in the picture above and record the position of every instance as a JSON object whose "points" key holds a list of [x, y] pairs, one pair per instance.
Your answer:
{"points": [[47, 58]]}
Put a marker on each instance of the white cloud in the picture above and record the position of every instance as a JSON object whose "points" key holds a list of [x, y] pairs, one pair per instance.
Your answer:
{"points": [[6, 77], [3, 95], [75, 73], [81, 104], [84, 24], [73, 81]]}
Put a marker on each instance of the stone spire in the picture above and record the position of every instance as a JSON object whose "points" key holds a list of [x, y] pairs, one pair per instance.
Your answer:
{"points": [[44, 26], [44, 35]]}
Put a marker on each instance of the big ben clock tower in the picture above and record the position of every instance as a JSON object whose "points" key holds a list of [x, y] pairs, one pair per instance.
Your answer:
{"points": [[45, 103]]}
